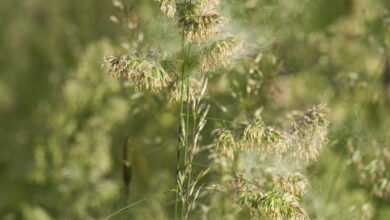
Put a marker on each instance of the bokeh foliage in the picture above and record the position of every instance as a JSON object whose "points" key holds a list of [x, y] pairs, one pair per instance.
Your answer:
{"points": [[63, 120]]}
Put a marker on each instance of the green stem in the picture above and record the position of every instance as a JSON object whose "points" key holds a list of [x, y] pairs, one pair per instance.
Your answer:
{"points": [[181, 143]]}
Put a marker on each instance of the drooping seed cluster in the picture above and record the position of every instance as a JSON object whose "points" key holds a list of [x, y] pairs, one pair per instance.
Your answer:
{"points": [[200, 27], [223, 152], [279, 206], [277, 199], [308, 133], [145, 75], [272, 204], [263, 138], [220, 53], [199, 19], [256, 138], [374, 173], [168, 7], [262, 183], [302, 141], [365, 211], [295, 183]]}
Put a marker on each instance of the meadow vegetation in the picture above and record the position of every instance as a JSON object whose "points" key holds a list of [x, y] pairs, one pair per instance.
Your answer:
{"points": [[195, 109]]}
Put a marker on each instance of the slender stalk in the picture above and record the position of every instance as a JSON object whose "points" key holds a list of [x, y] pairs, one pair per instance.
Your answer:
{"points": [[181, 142], [188, 144]]}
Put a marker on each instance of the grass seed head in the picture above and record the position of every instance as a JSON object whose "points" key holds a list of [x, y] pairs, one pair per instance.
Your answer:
{"points": [[199, 20], [220, 53], [308, 133], [263, 139], [168, 7], [295, 184], [145, 75]]}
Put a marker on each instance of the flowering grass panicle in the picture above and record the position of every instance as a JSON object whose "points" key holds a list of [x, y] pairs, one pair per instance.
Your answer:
{"points": [[373, 173], [253, 161], [295, 183], [279, 206], [268, 204], [220, 53], [145, 75], [168, 7], [303, 140], [364, 211], [225, 147], [263, 139], [196, 89], [308, 133], [199, 20]]}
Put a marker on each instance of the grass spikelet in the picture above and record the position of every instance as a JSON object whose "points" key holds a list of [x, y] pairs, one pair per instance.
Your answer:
{"points": [[226, 144], [220, 53], [198, 25], [264, 139], [309, 133], [145, 75], [373, 173], [195, 88], [295, 184], [303, 140], [168, 7], [270, 204], [278, 206], [261, 183]]}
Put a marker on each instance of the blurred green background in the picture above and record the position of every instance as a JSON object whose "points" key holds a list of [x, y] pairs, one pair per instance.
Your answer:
{"points": [[63, 121]]}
